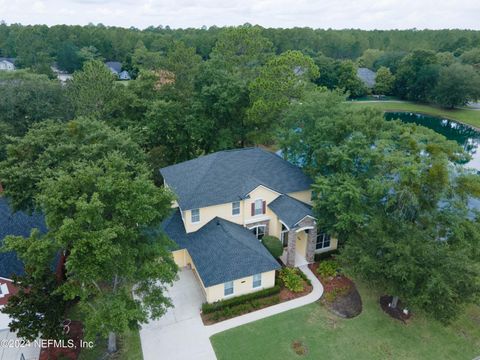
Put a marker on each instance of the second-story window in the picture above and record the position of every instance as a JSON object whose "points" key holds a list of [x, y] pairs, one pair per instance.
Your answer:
{"points": [[236, 208], [258, 207], [195, 215]]}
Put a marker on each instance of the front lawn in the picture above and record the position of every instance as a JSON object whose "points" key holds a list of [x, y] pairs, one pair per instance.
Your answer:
{"points": [[466, 116], [371, 335]]}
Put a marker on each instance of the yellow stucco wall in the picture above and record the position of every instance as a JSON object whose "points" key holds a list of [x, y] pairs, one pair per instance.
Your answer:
{"points": [[304, 196], [208, 213], [301, 245], [180, 257], [267, 195], [240, 287], [245, 217]]}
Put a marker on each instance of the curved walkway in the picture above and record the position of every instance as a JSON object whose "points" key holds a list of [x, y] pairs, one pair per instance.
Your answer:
{"points": [[316, 294]]}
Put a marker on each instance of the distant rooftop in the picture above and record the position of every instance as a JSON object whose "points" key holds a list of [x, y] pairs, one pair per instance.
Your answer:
{"points": [[367, 76]]}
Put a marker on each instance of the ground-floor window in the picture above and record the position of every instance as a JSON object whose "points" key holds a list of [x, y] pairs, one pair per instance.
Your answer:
{"points": [[228, 288], [259, 231], [257, 280], [323, 241]]}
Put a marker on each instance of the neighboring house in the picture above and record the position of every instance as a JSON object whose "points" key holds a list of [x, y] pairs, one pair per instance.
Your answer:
{"points": [[124, 75], [114, 66], [116, 69], [7, 64], [19, 224], [226, 203], [367, 76], [62, 75]]}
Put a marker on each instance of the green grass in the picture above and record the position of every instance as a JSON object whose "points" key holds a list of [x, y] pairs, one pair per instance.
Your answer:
{"points": [[129, 348], [371, 335], [129, 345], [467, 116]]}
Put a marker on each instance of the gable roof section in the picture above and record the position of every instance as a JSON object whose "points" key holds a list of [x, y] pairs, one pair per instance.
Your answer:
{"points": [[19, 224], [290, 211], [114, 66], [221, 250], [228, 176]]}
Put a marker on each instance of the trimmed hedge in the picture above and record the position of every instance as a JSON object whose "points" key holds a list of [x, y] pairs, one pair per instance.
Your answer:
{"points": [[229, 312], [223, 304], [326, 255], [273, 245]]}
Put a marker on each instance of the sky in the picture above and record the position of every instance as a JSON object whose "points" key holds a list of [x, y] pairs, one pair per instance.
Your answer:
{"points": [[336, 14]]}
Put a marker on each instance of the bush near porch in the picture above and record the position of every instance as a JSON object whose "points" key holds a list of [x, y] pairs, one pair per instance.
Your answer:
{"points": [[273, 245], [227, 309]]}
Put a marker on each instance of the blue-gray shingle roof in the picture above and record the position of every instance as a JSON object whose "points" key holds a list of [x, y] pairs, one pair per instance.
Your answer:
{"points": [[114, 66], [228, 176], [367, 76], [19, 224], [221, 250], [290, 210]]}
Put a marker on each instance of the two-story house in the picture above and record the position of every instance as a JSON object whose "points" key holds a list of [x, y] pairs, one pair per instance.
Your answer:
{"points": [[226, 202]]}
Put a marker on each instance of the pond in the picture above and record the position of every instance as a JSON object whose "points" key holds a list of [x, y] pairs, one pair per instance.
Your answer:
{"points": [[465, 135]]}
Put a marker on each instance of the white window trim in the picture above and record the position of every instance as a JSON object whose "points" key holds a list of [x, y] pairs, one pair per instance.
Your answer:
{"points": [[4, 290], [253, 281], [323, 248], [261, 209], [239, 208], [257, 226], [233, 288], [191, 216], [255, 220]]}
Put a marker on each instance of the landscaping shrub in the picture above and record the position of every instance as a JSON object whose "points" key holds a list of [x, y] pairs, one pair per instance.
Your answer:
{"points": [[291, 279], [273, 245], [224, 304], [327, 268], [240, 309], [304, 277], [326, 255], [332, 295]]}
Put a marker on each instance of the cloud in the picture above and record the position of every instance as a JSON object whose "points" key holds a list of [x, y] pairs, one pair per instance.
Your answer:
{"points": [[366, 14]]}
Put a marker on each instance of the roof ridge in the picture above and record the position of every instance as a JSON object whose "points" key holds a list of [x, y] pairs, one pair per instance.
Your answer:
{"points": [[296, 200], [233, 235]]}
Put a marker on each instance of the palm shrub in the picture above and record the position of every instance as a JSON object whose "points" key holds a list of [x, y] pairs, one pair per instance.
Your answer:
{"points": [[291, 279], [273, 245], [327, 268]]}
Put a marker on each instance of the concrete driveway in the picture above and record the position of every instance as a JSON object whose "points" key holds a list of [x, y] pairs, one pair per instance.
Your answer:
{"points": [[180, 333]]}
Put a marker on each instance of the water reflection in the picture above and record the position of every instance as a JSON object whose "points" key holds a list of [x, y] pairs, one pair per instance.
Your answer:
{"points": [[465, 135]]}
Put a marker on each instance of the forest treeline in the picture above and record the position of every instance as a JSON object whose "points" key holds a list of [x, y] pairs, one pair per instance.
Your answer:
{"points": [[196, 91]]}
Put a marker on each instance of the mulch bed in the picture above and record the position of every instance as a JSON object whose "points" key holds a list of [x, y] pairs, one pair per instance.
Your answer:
{"points": [[341, 296], [57, 353], [396, 313], [286, 295]]}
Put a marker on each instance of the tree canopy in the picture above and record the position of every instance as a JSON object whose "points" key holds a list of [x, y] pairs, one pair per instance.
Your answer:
{"points": [[102, 211], [391, 194]]}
